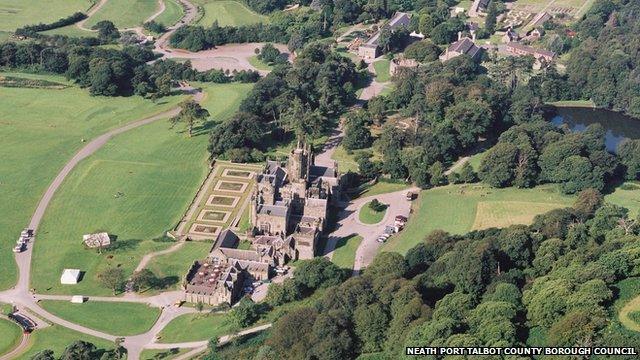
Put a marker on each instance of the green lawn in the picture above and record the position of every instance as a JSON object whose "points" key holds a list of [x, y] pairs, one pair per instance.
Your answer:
{"points": [[206, 326], [245, 220], [172, 13], [10, 334], [345, 254], [71, 31], [136, 187], [475, 160], [628, 303], [174, 266], [627, 195], [36, 141], [258, 64], [17, 13], [163, 354], [381, 187], [223, 100], [382, 70], [196, 327], [228, 13], [57, 338], [124, 13], [115, 318], [346, 161], [369, 216], [458, 208]]}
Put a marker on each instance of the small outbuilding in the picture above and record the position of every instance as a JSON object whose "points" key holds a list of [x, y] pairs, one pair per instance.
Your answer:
{"points": [[77, 299], [70, 277], [97, 240]]}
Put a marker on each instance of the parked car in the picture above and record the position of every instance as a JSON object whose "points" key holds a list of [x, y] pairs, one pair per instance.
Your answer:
{"points": [[18, 248], [401, 218], [409, 195]]}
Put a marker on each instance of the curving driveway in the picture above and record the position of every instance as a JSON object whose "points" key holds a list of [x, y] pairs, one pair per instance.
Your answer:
{"points": [[21, 296]]}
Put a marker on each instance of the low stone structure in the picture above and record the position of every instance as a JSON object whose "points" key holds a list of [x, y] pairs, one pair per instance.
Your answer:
{"points": [[97, 240], [542, 56], [398, 64]]}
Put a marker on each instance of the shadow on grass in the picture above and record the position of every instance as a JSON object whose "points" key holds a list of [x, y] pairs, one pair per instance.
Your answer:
{"points": [[343, 241]]}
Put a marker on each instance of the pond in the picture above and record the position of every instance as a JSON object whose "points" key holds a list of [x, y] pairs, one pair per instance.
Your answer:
{"points": [[617, 125]]}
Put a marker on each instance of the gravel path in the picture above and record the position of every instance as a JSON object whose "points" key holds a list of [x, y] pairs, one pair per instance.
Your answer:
{"points": [[27, 302]]}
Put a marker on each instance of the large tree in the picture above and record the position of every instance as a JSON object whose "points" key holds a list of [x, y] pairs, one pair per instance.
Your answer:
{"points": [[191, 113]]}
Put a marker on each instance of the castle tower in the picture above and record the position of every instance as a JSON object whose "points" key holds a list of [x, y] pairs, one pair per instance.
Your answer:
{"points": [[298, 163]]}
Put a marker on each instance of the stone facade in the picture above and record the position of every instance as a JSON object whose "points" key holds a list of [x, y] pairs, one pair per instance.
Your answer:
{"points": [[293, 196], [213, 283]]}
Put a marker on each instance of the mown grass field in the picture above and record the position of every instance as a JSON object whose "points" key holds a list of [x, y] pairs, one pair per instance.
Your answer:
{"points": [[381, 187], [17, 13], [228, 13], [345, 253], [177, 263], [196, 327], [136, 187], [124, 13], [116, 318], [628, 304], [504, 213], [10, 334], [71, 31], [57, 338], [223, 100], [458, 208], [627, 195], [36, 141], [172, 13]]}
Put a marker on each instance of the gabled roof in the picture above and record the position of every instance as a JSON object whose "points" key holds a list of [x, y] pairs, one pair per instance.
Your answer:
{"points": [[464, 46], [238, 254], [399, 19]]}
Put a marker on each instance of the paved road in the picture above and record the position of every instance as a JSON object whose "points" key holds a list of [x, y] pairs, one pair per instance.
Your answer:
{"points": [[349, 223], [21, 296], [94, 9], [22, 346]]}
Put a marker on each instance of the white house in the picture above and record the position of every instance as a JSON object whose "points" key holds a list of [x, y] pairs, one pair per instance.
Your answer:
{"points": [[70, 276]]}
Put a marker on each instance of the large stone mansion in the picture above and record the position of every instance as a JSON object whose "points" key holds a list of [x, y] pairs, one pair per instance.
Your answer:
{"points": [[290, 201], [289, 206]]}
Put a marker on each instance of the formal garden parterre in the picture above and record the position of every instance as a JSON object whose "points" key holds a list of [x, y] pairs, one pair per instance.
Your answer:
{"points": [[226, 193]]}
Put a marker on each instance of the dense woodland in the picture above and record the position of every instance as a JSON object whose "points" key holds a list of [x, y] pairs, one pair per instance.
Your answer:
{"points": [[302, 98], [108, 72], [551, 283], [605, 67]]}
